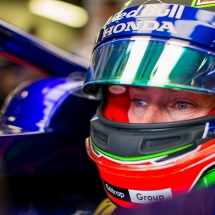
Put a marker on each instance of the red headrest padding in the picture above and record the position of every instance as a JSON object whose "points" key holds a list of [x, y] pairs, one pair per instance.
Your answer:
{"points": [[212, 112], [117, 109], [117, 106]]}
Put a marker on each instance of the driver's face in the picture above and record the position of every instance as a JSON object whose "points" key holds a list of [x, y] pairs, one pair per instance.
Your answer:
{"points": [[152, 105]]}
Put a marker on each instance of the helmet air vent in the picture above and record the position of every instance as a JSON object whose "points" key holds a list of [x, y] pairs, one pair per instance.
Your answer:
{"points": [[159, 142], [101, 137]]}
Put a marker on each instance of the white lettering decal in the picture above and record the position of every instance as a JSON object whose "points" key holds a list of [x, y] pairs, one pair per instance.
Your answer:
{"points": [[180, 12], [167, 26], [147, 25], [119, 28], [150, 25], [134, 13], [173, 11], [146, 197], [108, 31], [111, 190], [154, 10], [134, 26], [150, 11]]}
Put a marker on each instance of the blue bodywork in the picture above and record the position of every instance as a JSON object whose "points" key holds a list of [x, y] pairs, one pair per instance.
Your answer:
{"points": [[53, 111], [43, 127]]}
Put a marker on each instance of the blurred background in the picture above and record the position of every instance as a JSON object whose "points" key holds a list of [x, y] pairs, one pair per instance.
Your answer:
{"points": [[71, 25]]}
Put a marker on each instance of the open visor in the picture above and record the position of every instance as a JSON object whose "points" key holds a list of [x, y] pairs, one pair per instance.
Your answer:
{"points": [[151, 62]]}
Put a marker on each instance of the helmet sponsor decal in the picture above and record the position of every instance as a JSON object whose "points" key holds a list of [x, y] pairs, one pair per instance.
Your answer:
{"points": [[119, 193], [203, 3], [138, 196], [146, 197], [153, 11], [117, 89]]}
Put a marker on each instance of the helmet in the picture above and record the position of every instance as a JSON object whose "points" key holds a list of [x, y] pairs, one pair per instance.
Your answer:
{"points": [[152, 45]]}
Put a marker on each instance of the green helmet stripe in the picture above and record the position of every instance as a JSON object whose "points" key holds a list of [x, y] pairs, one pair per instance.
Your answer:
{"points": [[145, 157], [206, 180]]}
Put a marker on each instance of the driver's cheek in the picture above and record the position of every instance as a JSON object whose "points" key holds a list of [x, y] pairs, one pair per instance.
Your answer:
{"points": [[149, 114]]}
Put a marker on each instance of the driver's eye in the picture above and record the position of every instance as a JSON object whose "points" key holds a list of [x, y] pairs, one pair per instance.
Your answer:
{"points": [[138, 102], [182, 105]]}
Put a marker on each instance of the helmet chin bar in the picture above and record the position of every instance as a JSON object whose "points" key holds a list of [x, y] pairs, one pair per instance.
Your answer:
{"points": [[142, 141], [135, 173]]}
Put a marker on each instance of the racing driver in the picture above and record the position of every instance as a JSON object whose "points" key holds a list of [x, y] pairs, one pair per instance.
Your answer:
{"points": [[153, 135]]}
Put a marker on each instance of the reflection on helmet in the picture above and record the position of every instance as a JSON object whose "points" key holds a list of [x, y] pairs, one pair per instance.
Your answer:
{"points": [[152, 45]]}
